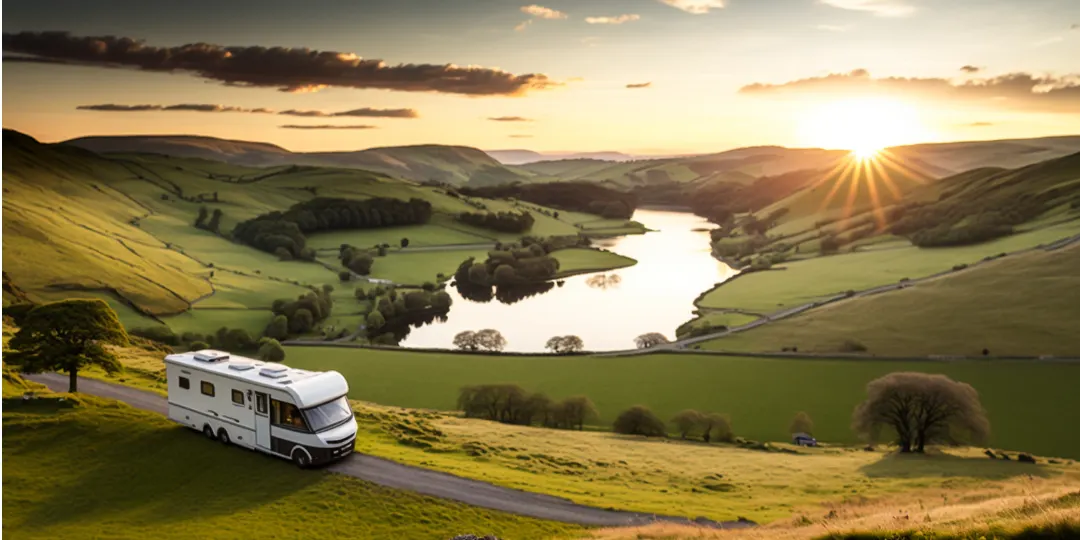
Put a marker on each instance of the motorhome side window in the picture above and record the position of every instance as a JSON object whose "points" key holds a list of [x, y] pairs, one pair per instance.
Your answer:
{"points": [[238, 397], [286, 415], [185, 383], [260, 403], [207, 388]]}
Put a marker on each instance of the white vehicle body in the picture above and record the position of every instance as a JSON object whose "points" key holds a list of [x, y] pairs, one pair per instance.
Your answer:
{"points": [[291, 413]]}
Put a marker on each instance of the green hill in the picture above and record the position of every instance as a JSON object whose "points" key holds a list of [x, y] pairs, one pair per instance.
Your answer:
{"points": [[457, 165]]}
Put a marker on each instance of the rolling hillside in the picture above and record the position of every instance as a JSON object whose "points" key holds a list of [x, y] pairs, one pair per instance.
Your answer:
{"points": [[457, 165]]}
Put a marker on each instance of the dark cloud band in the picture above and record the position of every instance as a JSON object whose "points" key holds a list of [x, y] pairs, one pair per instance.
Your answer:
{"points": [[326, 126], [510, 119], [365, 112], [284, 68]]}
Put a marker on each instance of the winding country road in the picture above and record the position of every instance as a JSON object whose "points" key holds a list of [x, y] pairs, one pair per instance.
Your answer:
{"points": [[437, 484]]}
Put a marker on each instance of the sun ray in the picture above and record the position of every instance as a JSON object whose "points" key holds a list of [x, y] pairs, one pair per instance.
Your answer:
{"points": [[850, 164]]}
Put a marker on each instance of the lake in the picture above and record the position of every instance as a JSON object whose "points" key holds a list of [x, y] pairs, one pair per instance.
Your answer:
{"points": [[607, 310]]}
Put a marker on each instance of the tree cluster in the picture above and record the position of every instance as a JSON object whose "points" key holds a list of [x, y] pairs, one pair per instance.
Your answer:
{"points": [[287, 230], [564, 344], [487, 339], [509, 267], [214, 223], [650, 340], [710, 427], [510, 404], [509, 222], [301, 315], [576, 196], [394, 308]]}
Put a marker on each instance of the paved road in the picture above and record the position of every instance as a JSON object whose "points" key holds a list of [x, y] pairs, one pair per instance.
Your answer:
{"points": [[395, 475]]}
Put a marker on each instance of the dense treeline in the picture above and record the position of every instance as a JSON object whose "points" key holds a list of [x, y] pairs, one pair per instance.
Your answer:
{"points": [[286, 230], [577, 196], [300, 316], [510, 222], [509, 267], [510, 404]]}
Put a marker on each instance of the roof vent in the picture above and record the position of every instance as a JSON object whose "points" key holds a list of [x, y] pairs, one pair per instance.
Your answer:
{"points": [[210, 355], [274, 371], [239, 365]]}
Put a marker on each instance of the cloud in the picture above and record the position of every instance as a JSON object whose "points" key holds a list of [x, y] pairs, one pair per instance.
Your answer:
{"points": [[541, 12], [979, 124], [327, 126], [697, 7], [510, 119], [831, 28], [1020, 91], [590, 41], [1049, 41], [639, 85], [205, 107], [881, 8], [971, 69], [286, 69], [524, 24], [520, 136], [625, 18]]}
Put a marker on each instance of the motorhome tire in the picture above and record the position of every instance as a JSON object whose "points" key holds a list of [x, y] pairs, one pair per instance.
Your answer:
{"points": [[209, 432], [223, 436], [301, 459]]}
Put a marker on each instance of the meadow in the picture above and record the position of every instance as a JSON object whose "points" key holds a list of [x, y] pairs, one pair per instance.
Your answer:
{"points": [[206, 490], [1018, 305], [760, 394]]}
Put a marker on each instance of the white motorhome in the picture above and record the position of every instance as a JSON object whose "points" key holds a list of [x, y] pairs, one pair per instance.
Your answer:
{"points": [[290, 413]]}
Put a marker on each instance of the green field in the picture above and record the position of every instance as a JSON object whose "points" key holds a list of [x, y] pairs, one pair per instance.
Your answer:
{"points": [[808, 280], [150, 478], [1019, 305], [760, 394], [415, 267], [577, 260]]}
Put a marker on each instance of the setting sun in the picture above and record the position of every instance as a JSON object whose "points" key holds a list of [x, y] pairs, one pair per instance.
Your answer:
{"points": [[864, 126]]}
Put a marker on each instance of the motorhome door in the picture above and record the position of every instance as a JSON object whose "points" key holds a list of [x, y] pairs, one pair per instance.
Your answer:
{"points": [[262, 420]]}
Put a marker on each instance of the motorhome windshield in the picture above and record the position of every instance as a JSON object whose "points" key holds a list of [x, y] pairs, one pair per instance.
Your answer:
{"points": [[328, 414]]}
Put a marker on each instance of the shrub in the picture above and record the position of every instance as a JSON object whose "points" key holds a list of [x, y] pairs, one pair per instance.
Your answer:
{"points": [[361, 264], [688, 422], [717, 428], [283, 254], [198, 345], [375, 320], [271, 350], [850, 345], [344, 275], [278, 328], [639, 420]]}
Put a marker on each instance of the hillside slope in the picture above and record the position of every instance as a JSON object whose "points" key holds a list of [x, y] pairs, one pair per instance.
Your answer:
{"points": [[457, 165]]}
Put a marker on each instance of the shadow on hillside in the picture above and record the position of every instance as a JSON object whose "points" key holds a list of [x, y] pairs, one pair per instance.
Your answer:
{"points": [[100, 471], [897, 465]]}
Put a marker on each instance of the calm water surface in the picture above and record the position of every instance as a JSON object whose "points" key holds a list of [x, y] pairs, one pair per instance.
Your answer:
{"points": [[606, 309]]}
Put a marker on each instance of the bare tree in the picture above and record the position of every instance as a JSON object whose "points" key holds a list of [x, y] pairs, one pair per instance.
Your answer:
{"points": [[688, 422], [921, 409], [652, 339], [801, 424]]}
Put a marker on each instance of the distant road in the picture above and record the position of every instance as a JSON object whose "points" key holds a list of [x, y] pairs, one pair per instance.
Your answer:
{"points": [[406, 477]]}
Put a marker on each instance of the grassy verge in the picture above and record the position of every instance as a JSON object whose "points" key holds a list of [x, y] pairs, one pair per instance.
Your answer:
{"points": [[761, 394], [1013, 306], [146, 477]]}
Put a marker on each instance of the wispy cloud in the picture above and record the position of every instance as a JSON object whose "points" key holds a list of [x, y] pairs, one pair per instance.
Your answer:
{"points": [[882, 8], [212, 108], [1019, 91], [524, 25], [618, 19], [520, 136], [1049, 41], [697, 7], [541, 12], [283, 68], [326, 126], [510, 119], [639, 85], [590, 41], [970, 69], [979, 124], [831, 28]]}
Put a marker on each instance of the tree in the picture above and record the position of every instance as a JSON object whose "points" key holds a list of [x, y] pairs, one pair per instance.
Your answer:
{"points": [[491, 340], [278, 328], [301, 321], [283, 253], [239, 339], [344, 275], [361, 264], [68, 336], [652, 339], [200, 221], [688, 422], [802, 424], [271, 350], [921, 409], [478, 274], [564, 344], [215, 220], [441, 300], [639, 420], [467, 341], [375, 320], [577, 410], [504, 273], [717, 427], [404, 243]]}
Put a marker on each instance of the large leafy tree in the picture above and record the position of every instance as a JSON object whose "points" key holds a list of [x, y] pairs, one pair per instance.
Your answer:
{"points": [[68, 336]]}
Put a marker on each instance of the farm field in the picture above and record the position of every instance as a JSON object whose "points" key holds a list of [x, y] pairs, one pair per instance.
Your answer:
{"points": [[51, 491], [804, 281], [760, 394], [957, 314], [577, 260], [719, 481], [416, 267]]}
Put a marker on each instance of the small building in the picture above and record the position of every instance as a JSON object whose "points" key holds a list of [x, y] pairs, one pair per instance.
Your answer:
{"points": [[803, 439]]}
